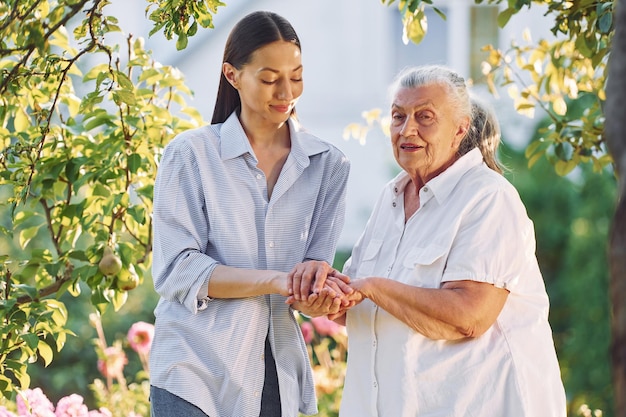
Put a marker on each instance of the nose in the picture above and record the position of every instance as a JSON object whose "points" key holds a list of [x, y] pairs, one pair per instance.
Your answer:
{"points": [[284, 91], [409, 127]]}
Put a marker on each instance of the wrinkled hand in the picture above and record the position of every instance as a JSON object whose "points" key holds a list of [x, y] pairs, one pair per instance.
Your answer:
{"points": [[310, 277], [349, 301], [322, 304], [329, 300]]}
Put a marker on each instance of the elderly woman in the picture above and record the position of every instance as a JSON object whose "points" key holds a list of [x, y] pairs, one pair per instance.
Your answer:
{"points": [[454, 316]]}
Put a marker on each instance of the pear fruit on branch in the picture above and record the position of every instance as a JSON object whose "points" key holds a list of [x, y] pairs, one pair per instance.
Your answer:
{"points": [[110, 264]]}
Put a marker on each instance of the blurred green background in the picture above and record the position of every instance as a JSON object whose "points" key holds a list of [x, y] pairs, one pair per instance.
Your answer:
{"points": [[572, 216]]}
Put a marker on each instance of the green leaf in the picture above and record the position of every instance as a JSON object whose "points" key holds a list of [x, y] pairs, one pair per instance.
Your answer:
{"points": [[45, 352], [564, 151], [124, 96], [134, 162], [193, 29], [415, 27], [563, 168], [605, 23], [505, 16], [27, 235], [182, 41], [72, 169], [119, 299], [31, 340]]}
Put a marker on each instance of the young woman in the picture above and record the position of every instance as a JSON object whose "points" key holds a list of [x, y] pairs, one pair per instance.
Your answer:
{"points": [[237, 205]]}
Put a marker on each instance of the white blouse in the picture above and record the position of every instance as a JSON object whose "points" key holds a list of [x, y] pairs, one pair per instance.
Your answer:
{"points": [[471, 225]]}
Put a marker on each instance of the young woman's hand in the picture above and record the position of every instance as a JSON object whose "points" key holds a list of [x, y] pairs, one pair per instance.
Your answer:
{"points": [[309, 277]]}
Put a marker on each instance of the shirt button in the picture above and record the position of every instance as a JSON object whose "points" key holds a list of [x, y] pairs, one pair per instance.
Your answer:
{"points": [[425, 189], [259, 176], [271, 244], [263, 357], [256, 393], [374, 343], [375, 384], [393, 204]]}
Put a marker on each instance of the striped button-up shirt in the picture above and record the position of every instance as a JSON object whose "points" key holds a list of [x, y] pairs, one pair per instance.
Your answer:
{"points": [[210, 208]]}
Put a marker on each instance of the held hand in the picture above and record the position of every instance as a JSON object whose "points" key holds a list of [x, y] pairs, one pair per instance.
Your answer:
{"points": [[349, 301], [308, 278], [325, 303]]}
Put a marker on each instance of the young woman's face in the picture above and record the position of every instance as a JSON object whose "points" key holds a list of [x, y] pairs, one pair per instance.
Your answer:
{"points": [[270, 84], [425, 132]]}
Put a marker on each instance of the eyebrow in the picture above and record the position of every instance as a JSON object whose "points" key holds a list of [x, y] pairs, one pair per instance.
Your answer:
{"points": [[299, 67], [428, 104]]}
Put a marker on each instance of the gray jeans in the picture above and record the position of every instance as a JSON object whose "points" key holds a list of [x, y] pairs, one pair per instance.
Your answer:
{"points": [[165, 404]]}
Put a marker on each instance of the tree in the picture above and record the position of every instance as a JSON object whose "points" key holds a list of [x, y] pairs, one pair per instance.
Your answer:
{"points": [[83, 121], [614, 132]]}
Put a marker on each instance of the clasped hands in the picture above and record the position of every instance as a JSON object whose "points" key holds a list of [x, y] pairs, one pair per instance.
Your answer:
{"points": [[315, 288]]}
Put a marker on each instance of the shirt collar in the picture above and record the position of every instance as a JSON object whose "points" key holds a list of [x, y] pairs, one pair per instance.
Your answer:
{"points": [[443, 184], [303, 144]]}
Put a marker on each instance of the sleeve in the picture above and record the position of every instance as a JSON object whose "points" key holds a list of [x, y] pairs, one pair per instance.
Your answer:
{"points": [[180, 267], [495, 242], [326, 233]]}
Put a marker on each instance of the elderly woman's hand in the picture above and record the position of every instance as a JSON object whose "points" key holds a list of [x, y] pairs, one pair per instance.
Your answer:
{"points": [[310, 277], [326, 302], [334, 296]]}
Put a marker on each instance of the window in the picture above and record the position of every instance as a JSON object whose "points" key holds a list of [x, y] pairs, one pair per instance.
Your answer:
{"points": [[483, 31]]}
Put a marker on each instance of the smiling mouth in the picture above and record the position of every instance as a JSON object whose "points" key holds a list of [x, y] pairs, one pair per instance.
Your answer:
{"points": [[410, 147], [282, 108]]}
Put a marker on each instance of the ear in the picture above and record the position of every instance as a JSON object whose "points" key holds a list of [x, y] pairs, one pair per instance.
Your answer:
{"points": [[231, 73], [461, 132]]}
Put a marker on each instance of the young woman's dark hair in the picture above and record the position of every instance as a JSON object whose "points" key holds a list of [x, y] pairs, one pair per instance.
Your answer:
{"points": [[251, 33]]}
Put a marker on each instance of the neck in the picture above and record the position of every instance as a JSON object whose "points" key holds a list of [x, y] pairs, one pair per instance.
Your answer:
{"points": [[263, 133]]}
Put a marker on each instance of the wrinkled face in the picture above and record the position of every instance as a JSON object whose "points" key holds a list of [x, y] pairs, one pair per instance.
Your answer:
{"points": [[425, 132], [270, 84]]}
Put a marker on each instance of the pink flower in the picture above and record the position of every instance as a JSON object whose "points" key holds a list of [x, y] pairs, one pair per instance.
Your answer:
{"points": [[325, 327], [6, 413], [36, 404], [71, 406], [140, 337], [102, 412], [307, 331], [114, 363]]}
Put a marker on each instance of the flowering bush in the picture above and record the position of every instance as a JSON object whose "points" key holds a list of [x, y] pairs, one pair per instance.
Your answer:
{"points": [[126, 400], [115, 397], [34, 403], [327, 343]]}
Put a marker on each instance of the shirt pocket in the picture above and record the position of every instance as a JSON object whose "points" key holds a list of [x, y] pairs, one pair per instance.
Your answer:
{"points": [[424, 266], [369, 259]]}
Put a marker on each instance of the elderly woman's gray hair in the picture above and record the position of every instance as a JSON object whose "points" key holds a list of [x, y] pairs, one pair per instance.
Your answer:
{"points": [[484, 133], [440, 75]]}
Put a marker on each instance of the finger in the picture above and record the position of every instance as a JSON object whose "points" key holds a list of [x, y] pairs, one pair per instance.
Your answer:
{"points": [[296, 282], [334, 306], [290, 282], [340, 276], [341, 285], [321, 299], [321, 273], [308, 275]]}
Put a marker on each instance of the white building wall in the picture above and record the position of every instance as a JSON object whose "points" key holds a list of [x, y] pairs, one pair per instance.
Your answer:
{"points": [[350, 55]]}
